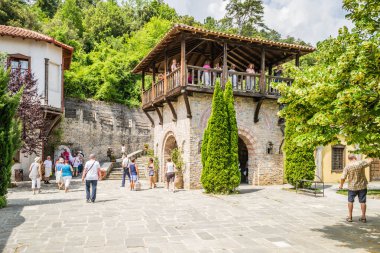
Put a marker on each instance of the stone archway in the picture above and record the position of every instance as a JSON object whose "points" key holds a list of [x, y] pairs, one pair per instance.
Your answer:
{"points": [[168, 145], [248, 141]]}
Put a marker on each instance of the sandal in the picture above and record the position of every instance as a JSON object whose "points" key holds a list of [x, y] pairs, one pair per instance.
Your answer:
{"points": [[364, 220], [348, 219]]}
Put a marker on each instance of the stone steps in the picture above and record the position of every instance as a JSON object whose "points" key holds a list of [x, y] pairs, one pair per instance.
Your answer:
{"points": [[142, 163]]}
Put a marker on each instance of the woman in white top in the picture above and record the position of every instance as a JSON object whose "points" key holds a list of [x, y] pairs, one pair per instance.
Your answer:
{"points": [[169, 172], [250, 79], [35, 174]]}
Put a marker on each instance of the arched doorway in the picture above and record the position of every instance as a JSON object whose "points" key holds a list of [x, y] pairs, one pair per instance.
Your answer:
{"points": [[243, 161], [170, 143]]}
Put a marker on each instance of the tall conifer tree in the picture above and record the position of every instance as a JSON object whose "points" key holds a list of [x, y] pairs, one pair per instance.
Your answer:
{"points": [[233, 167]]}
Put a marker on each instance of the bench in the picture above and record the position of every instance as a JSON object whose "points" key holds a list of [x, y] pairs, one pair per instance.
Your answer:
{"points": [[317, 181]]}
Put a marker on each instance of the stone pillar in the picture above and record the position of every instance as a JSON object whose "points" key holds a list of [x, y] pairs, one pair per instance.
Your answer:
{"points": [[318, 162]]}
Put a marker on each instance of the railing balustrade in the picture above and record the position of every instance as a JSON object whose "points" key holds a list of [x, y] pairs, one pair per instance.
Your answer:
{"points": [[206, 77], [174, 79]]}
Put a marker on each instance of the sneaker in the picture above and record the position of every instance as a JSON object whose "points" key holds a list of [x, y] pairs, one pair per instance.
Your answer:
{"points": [[88, 201]]}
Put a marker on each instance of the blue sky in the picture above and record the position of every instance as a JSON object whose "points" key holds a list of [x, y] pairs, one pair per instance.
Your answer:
{"points": [[310, 20]]}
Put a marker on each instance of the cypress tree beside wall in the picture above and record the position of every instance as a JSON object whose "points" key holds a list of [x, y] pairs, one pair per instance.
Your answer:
{"points": [[234, 172], [220, 172]]}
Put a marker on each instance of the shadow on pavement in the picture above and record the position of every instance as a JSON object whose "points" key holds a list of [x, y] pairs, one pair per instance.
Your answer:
{"points": [[355, 235], [10, 216], [249, 190]]}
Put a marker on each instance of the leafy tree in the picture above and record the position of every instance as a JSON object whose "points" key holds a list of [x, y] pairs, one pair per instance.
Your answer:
{"points": [[9, 132], [338, 95], [246, 15], [49, 7], [18, 13], [106, 19], [233, 153], [29, 112]]}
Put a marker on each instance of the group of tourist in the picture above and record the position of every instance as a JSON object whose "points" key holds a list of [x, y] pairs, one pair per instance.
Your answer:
{"points": [[65, 169], [131, 171], [209, 80]]}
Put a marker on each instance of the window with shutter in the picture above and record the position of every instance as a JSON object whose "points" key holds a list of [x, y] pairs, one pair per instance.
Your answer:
{"points": [[337, 158]]}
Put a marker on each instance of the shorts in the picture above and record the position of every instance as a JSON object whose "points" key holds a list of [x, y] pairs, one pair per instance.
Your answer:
{"points": [[170, 176], [151, 173], [80, 168], [58, 176], [75, 169], [134, 178], [67, 181], [362, 196]]}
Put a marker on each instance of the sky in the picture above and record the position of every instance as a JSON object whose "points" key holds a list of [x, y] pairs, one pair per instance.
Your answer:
{"points": [[309, 20]]}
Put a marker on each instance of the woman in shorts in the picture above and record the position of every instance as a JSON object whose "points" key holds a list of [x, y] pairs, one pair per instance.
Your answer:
{"points": [[67, 174], [169, 172], [58, 173], [133, 172], [152, 184]]}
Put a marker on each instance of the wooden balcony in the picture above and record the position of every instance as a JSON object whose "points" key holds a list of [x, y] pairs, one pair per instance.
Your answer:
{"points": [[203, 80]]}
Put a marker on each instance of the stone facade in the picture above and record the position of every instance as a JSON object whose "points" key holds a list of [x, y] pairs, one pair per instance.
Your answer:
{"points": [[263, 168], [93, 126]]}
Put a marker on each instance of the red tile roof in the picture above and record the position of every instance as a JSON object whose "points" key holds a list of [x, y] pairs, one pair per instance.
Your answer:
{"points": [[28, 34]]}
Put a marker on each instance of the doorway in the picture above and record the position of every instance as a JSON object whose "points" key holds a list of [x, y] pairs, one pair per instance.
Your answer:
{"points": [[243, 161]]}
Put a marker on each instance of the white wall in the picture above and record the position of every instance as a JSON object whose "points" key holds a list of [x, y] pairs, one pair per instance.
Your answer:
{"points": [[38, 51]]}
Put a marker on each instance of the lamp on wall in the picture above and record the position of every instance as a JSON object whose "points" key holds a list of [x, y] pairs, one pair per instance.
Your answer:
{"points": [[269, 147]]}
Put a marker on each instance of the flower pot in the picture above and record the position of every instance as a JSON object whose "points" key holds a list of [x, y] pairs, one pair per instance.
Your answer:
{"points": [[178, 181]]}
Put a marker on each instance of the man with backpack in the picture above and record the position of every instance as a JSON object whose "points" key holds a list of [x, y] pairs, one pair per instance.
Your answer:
{"points": [[125, 164], [91, 174]]}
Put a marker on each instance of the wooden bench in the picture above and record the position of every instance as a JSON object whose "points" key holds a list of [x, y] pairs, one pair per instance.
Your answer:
{"points": [[314, 190]]}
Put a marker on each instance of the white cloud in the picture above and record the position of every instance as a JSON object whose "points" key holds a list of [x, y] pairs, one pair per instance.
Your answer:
{"points": [[309, 20]]}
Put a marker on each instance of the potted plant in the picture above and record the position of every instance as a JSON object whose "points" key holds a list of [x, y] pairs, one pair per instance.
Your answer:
{"points": [[179, 164]]}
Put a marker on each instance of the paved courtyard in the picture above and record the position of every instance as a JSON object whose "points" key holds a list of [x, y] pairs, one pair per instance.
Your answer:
{"points": [[261, 219]]}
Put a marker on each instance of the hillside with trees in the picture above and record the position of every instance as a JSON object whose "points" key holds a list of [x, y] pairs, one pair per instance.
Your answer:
{"points": [[110, 37]]}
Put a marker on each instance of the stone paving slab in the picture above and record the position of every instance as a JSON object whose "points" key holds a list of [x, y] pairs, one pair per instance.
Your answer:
{"points": [[263, 219]]}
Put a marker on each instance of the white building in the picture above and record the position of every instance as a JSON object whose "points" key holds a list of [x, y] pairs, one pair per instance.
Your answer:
{"points": [[47, 59]]}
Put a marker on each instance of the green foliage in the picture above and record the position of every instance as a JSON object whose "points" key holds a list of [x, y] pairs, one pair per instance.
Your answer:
{"points": [[18, 13], [220, 173], [9, 132], [177, 160], [233, 153], [338, 94], [3, 202], [49, 7]]}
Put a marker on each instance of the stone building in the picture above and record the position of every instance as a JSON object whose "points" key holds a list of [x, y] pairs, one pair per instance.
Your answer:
{"points": [[178, 103]]}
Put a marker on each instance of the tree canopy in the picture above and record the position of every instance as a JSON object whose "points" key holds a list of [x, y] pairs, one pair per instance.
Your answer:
{"points": [[339, 94], [110, 37]]}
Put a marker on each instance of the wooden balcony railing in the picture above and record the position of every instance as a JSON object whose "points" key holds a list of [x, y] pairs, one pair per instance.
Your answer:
{"points": [[206, 77]]}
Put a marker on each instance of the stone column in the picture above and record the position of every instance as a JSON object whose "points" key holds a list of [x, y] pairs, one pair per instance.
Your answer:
{"points": [[318, 161]]}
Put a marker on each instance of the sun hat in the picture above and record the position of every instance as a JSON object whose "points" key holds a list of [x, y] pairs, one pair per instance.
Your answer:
{"points": [[37, 159]]}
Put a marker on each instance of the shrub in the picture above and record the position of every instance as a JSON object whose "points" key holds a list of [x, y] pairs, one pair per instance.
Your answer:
{"points": [[3, 202]]}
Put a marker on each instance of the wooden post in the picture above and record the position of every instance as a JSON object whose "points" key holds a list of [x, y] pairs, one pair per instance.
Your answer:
{"points": [[297, 60], [212, 55], [270, 70], [262, 73], [225, 69], [154, 73], [165, 72], [46, 81], [183, 61]]}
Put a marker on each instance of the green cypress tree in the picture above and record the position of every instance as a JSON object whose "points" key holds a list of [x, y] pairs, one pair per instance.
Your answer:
{"points": [[215, 176], [233, 163], [9, 132]]}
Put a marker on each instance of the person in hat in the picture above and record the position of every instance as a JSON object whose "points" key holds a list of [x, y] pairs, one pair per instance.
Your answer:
{"points": [[35, 174]]}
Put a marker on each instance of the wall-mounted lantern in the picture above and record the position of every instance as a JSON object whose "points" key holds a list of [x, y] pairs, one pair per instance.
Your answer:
{"points": [[269, 147]]}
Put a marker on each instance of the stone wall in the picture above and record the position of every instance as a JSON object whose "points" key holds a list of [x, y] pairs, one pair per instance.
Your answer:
{"points": [[93, 126], [263, 168]]}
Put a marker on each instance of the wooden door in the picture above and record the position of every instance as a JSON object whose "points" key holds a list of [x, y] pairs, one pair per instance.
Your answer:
{"points": [[375, 170]]}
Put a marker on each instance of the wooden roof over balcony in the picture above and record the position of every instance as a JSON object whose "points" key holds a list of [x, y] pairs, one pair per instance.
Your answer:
{"points": [[202, 44]]}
